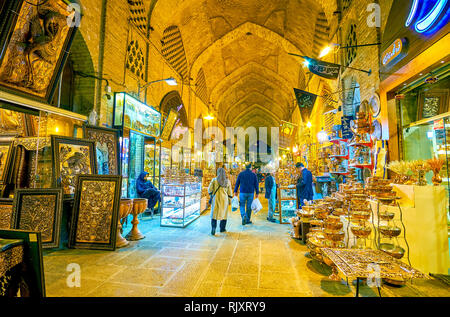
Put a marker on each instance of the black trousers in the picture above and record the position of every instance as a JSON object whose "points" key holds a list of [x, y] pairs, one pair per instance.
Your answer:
{"points": [[223, 223]]}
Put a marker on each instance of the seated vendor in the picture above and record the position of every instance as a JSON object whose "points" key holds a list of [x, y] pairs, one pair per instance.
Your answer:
{"points": [[145, 189]]}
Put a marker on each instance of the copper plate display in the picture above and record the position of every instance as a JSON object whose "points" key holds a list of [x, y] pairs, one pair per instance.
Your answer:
{"points": [[355, 263], [39, 210], [72, 157], [96, 212]]}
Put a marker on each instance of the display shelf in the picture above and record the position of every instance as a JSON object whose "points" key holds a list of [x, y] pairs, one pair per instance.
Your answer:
{"points": [[287, 203], [340, 173], [361, 165], [344, 157], [336, 141], [367, 144], [176, 212]]}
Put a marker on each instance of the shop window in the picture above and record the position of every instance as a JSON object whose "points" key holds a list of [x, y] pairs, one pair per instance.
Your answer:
{"points": [[173, 50], [136, 59], [424, 101], [351, 40]]}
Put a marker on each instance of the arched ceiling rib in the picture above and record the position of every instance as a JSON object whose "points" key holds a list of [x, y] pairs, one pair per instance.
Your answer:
{"points": [[241, 48]]}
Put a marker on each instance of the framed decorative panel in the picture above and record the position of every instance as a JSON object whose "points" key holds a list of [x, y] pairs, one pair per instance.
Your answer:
{"points": [[36, 41], [6, 212], [107, 148], [39, 210], [6, 153], [71, 157], [95, 212]]}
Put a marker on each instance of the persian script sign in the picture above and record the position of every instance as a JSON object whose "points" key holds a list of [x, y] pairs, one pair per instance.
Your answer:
{"points": [[305, 102], [394, 52], [323, 69]]}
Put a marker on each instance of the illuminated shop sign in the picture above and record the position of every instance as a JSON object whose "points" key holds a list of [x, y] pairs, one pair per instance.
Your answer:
{"points": [[429, 15], [395, 51]]}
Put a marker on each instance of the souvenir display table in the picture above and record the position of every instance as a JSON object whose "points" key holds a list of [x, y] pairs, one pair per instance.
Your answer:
{"points": [[425, 218], [356, 264]]}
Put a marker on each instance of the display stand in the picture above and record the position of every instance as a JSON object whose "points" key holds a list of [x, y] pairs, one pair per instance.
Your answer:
{"points": [[180, 204], [424, 215], [287, 203]]}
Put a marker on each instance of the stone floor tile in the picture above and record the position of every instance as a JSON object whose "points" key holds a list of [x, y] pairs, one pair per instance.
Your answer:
{"points": [[241, 280]]}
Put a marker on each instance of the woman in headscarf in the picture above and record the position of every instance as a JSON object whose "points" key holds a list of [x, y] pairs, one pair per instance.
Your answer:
{"points": [[221, 193], [145, 189]]}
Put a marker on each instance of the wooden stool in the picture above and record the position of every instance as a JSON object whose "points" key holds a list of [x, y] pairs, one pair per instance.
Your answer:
{"points": [[126, 206], [139, 206]]}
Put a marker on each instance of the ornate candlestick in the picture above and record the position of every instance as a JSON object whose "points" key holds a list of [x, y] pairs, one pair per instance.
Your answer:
{"points": [[139, 206], [126, 206]]}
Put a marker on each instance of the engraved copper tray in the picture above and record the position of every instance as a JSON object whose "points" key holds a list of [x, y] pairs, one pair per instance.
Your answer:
{"points": [[354, 263]]}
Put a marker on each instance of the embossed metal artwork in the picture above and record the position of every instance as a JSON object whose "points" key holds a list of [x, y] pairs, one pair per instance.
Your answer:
{"points": [[37, 214], [5, 216], [95, 214], [39, 210], [37, 41], [73, 160], [106, 143]]}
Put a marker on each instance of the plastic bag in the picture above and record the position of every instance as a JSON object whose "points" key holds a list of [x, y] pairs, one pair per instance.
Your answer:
{"points": [[256, 205], [234, 204]]}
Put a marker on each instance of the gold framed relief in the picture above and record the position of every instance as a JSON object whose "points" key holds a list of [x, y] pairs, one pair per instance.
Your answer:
{"points": [[95, 212], [71, 157], [106, 147], [39, 210], [6, 211], [36, 38]]}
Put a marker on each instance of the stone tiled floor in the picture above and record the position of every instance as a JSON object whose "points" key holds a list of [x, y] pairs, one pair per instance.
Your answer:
{"points": [[257, 260]]}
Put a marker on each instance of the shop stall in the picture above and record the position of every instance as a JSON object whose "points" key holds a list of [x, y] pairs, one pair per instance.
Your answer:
{"points": [[140, 128], [181, 199]]}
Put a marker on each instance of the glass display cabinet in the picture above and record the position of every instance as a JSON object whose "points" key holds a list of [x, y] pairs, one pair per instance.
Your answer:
{"points": [[180, 204], [287, 203], [140, 129]]}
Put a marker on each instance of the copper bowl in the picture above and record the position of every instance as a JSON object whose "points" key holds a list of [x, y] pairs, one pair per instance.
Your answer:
{"points": [[386, 215], [390, 231], [360, 214], [333, 226], [334, 236], [393, 250], [316, 222], [333, 219], [321, 214], [361, 231], [339, 212]]}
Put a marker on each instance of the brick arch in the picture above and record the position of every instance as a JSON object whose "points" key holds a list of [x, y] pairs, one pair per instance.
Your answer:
{"points": [[172, 100], [83, 87]]}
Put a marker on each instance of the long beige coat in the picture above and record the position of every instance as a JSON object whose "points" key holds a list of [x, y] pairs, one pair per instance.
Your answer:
{"points": [[221, 200]]}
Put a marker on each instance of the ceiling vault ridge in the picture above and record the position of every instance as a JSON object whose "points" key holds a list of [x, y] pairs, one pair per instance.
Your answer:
{"points": [[242, 29]]}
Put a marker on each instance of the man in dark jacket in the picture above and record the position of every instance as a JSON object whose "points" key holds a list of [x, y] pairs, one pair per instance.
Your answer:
{"points": [[145, 189], [248, 183], [304, 185], [271, 194]]}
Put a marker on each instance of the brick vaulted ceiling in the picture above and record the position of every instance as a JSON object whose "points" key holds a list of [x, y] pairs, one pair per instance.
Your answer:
{"points": [[241, 48]]}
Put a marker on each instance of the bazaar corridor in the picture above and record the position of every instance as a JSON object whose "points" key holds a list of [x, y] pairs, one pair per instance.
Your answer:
{"points": [[257, 260]]}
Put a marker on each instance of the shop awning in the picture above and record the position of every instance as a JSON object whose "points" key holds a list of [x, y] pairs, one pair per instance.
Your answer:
{"points": [[22, 104]]}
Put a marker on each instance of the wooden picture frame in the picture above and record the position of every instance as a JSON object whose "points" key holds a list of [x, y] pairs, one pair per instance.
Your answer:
{"points": [[96, 212], [34, 264], [106, 140], [39, 210], [6, 155], [6, 213], [34, 71], [71, 157], [441, 97]]}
